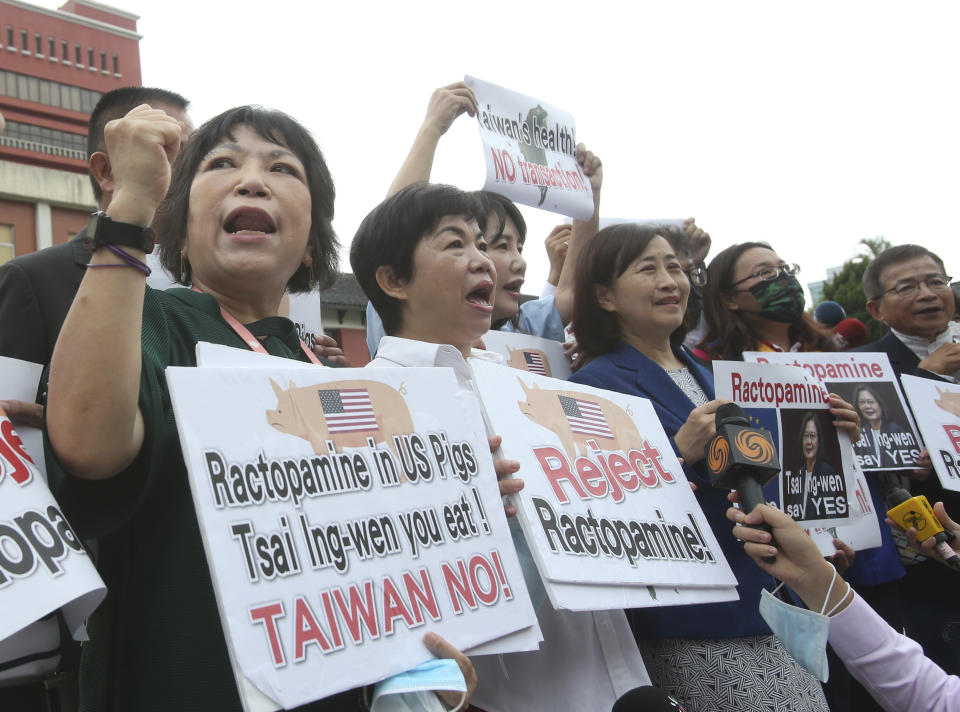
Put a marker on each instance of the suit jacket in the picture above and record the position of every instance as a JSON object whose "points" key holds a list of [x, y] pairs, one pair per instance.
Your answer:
{"points": [[36, 292], [902, 359], [626, 370]]}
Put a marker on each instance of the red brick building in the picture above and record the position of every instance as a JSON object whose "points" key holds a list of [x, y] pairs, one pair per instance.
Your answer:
{"points": [[54, 67]]}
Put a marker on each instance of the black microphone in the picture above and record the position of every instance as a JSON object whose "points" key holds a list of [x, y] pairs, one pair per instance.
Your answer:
{"points": [[647, 699], [743, 458]]}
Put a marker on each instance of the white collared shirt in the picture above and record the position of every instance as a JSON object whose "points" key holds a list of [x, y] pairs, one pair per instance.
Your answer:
{"points": [[586, 660], [923, 348]]}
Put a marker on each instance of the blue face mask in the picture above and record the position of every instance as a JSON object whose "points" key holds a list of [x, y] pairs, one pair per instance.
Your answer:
{"points": [[413, 689], [803, 633]]}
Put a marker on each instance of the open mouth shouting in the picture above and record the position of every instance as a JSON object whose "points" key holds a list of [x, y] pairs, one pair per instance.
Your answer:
{"points": [[513, 288], [249, 222], [480, 297]]}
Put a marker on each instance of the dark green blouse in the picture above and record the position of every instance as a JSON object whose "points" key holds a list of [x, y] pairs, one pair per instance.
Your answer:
{"points": [[156, 642]]}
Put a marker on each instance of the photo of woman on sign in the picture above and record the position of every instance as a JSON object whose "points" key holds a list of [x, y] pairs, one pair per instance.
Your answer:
{"points": [[883, 443], [812, 489]]}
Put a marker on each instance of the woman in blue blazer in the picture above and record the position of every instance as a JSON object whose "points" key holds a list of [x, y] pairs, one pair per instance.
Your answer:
{"points": [[631, 294]]}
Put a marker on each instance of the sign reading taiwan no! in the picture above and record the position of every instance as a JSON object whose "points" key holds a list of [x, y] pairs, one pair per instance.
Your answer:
{"points": [[345, 513], [530, 149]]}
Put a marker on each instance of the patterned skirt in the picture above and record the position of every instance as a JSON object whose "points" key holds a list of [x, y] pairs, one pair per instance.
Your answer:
{"points": [[752, 674]]}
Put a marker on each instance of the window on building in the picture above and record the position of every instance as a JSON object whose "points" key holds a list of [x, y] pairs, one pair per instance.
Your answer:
{"points": [[65, 51], [6, 243], [103, 61], [24, 45], [52, 47], [90, 58], [44, 139], [116, 65], [10, 43], [47, 92], [78, 57], [38, 43]]}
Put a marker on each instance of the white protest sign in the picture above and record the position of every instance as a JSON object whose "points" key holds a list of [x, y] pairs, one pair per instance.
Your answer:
{"points": [[936, 406], [817, 477], [888, 436], [604, 498], [304, 310], [43, 565], [529, 353], [345, 513], [19, 381], [530, 149], [607, 222]]}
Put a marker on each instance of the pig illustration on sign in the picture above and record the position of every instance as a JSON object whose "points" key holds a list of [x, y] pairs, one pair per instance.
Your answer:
{"points": [[578, 417], [533, 360], [346, 412]]}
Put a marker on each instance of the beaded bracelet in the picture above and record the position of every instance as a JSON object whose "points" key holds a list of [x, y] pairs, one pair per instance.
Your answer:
{"points": [[128, 259]]}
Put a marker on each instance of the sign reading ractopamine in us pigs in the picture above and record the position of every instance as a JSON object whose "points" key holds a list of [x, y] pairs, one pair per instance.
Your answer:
{"points": [[345, 513], [605, 500]]}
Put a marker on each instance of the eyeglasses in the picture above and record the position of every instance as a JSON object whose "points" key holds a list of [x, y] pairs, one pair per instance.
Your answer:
{"points": [[909, 287], [768, 274], [697, 274]]}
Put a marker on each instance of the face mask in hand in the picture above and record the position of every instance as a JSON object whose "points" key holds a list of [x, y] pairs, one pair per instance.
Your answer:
{"points": [[802, 633], [780, 299]]}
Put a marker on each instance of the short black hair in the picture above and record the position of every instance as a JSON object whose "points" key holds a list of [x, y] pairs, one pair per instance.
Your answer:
{"points": [[170, 223], [503, 208], [389, 235], [872, 276], [115, 104]]}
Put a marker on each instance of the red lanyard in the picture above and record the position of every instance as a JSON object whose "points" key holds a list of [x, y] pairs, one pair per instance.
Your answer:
{"points": [[252, 341]]}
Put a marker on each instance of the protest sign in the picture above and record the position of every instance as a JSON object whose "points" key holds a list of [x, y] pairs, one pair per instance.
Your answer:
{"points": [[605, 500], [529, 353], [19, 381], [530, 149], [936, 406], [817, 477], [43, 565], [345, 513], [888, 435]]}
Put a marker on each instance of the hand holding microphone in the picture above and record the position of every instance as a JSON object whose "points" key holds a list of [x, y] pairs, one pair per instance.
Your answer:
{"points": [[924, 525], [743, 458]]}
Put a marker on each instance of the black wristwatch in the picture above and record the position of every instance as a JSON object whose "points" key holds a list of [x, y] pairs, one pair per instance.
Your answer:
{"points": [[104, 231]]}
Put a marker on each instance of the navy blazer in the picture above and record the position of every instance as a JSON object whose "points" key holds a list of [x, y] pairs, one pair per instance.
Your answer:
{"points": [[626, 370], [902, 359]]}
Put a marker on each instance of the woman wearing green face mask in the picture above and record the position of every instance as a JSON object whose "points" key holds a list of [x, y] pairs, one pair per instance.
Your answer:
{"points": [[753, 301]]}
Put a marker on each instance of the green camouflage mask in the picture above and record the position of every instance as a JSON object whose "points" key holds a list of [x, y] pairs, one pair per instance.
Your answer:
{"points": [[780, 299]]}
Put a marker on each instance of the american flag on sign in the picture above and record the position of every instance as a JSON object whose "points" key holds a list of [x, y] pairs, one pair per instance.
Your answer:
{"points": [[348, 410], [585, 417], [534, 361]]}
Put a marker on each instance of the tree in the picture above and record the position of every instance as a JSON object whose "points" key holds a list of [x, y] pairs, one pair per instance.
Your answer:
{"points": [[846, 288]]}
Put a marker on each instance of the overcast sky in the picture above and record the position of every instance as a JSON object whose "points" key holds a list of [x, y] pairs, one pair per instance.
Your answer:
{"points": [[810, 125]]}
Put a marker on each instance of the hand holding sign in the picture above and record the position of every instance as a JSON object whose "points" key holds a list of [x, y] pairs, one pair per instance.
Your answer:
{"points": [[446, 104]]}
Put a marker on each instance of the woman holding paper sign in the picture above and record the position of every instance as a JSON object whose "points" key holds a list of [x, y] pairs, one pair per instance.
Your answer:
{"points": [[248, 215], [631, 296]]}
